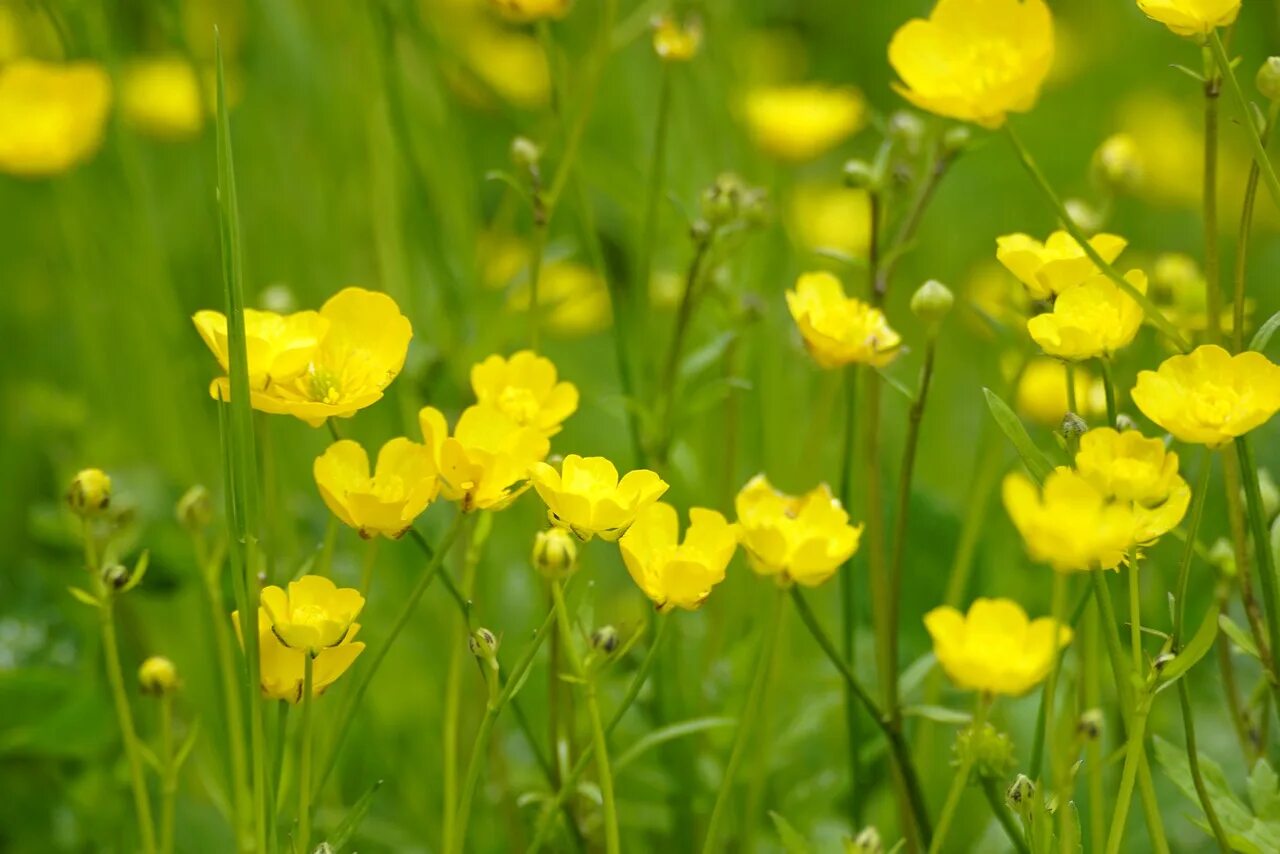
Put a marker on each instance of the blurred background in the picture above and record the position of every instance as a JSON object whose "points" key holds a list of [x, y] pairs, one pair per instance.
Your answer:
{"points": [[365, 136]]}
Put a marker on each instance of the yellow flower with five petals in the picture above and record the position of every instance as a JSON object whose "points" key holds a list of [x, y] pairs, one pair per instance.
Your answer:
{"points": [[524, 388], [1056, 265], [1208, 396], [1092, 320], [385, 502], [800, 538], [1127, 466], [280, 347], [675, 574], [587, 498], [994, 648], [313, 614], [1069, 523]]}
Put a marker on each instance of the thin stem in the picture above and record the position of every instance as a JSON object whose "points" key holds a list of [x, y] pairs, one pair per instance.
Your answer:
{"points": [[1057, 608], [1135, 615], [1005, 816], [1091, 684], [849, 594], [882, 274], [1261, 548], [1246, 116], [1212, 267], [1135, 751], [1242, 240], [675, 349], [1197, 777], [653, 192], [459, 654], [535, 272], [959, 782], [128, 733], [1109, 389], [304, 754], [169, 777]]}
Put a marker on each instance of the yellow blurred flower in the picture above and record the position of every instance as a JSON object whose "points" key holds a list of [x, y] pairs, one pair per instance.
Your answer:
{"points": [[1042, 392], [1057, 264], [386, 502], [531, 10], [10, 35], [524, 388], [840, 330], [52, 116], [1093, 319], [831, 218], [676, 574], [90, 492], [994, 648], [674, 41], [586, 497], [802, 538], [313, 614], [1209, 397], [1069, 524], [158, 676], [161, 96], [279, 347], [975, 60], [485, 464], [572, 299], [1192, 17], [1128, 466], [500, 256], [510, 63], [1178, 287], [803, 121], [281, 668], [997, 297]]}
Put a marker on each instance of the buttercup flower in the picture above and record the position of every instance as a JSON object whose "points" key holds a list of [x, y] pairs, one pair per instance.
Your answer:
{"points": [[386, 502], [1058, 264], [802, 122], [52, 116], [676, 574], [531, 10], [314, 614], [485, 464], [90, 492], [161, 96], [840, 330], [1128, 466], [281, 668], [572, 299], [975, 60], [676, 42], [1192, 17], [1210, 397], [587, 498], [831, 217], [510, 62], [801, 538], [157, 676], [1093, 319], [524, 388], [280, 347], [1042, 392], [994, 648], [1070, 524]]}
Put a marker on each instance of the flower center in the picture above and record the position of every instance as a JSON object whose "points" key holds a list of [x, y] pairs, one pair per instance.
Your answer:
{"points": [[519, 404]]}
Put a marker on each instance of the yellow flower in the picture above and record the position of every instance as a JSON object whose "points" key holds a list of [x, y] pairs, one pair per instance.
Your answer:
{"points": [[485, 464], [161, 96], [676, 42], [90, 492], [676, 574], [1192, 17], [1070, 524], [1178, 287], [572, 299], [994, 648], [402, 485], [280, 347], [586, 497], [1093, 319], [975, 60], [801, 122], [52, 116], [1127, 466], [802, 538], [509, 62], [524, 388], [1042, 392], [157, 676], [840, 330], [314, 614], [281, 668], [531, 10], [1210, 397], [831, 217], [1058, 264]]}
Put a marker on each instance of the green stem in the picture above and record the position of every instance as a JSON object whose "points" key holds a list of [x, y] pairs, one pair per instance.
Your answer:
{"points": [[460, 652], [1090, 666], [1212, 266], [304, 755], [169, 778], [535, 273], [1135, 750], [1109, 389], [653, 192], [849, 594], [128, 733], [1056, 610], [1197, 776], [675, 349], [1005, 816], [1246, 116], [959, 782], [1135, 615], [1242, 240]]}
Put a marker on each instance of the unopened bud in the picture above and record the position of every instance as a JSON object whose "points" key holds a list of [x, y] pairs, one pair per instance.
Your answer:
{"points": [[1125, 422], [1270, 494], [484, 644], [1084, 215], [157, 676], [866, 842], [986, 750], [1268, 79], [278, 298], [720, 201], [859, 175], [605, 639], [1019, 795], [1222, 555], [1073, 426], [90, 492], [1089, 726], [932, 301], [195, 509], [525, 154], [956, 139], [700, 231], [555, 553], [115, 576], [1117, 164], [907, 129], [676, 42]]}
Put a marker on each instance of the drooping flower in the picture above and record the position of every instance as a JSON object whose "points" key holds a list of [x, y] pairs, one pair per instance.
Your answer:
{"points": [[1069, 524], [675, 574], [800, 538], [587, 498], [281, 670], [524, 388], [52, 116], [313, 614], [1127, 466], [801, 122], [385, 502], [1094, 319], [1192, 17], [975, 60], [994, 648], [1056, 265], [840, 330], [1042, 392], [1209, 397], [485, 464], [161, 96]]}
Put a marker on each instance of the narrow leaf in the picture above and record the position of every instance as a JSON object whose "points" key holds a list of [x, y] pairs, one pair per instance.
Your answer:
{"points": [[1238, 635], [938, 714], [85, 597], [793, 842], [1262, 337], [139, 571], [668, 733], [1201, 642], [1011, 426], [351, 823]]}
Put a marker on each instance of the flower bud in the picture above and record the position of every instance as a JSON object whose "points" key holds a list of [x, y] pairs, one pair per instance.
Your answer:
{"points": [[195, 509], [859, 175], [278, 298], [1020, 794], [605, 639], [555, 553], [956, 139], [90, 492], [675, 42], [907, 129], [987, 751], [525, 154], [1073, 426], [1089, 725], [720, 201], [157, 676], [1268, 79], [1125, 422], [115, 576], [484, 644], [1161, 660], [1117, 164], [700, 231], [866, 842], [1270, 494], [1084, 215], [932, 302], [1222, 556]]}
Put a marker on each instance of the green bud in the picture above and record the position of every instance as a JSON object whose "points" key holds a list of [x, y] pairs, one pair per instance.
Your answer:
{"points": [[525, 154], [1089, 725], [866, 842], [1084, 215], [956, 139], [1222, 555], [278, 298], [987, 751], [555, 553], [605, 639], [157, 676], [195, 509], [907, 129], [1125, 422], [1117, 164], [1020, 795], [860, 175], [1268, 79], [932, 301], [115, 576], [484, 644]]}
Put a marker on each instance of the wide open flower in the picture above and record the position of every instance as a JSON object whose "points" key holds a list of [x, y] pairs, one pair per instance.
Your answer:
{"points": [[994, 648], [1192, 17], [587, 498], [280, 347], [52, 116], [676, 574], [1210, 397], [313, 614], [281, 671], [1069, 524], [1056, 265], [385, 502], [1091, 320], [524, 388], [840, 330], [485, 464], [801, 538], [802, 122]]}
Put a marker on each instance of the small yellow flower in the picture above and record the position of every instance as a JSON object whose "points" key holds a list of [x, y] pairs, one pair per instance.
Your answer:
{"points": [[1042, 393], [524, 388], [90, 492], [1058, 264], [831, 218], [1070, 524], [1128, 466], [1091, 320], [994, 648], [555, 553], [280, 347], [1210, 397], [314, 613], [1192, 17], [572, 299], [385, 503], [52, 117], [586, 497], [975, 60], [676, 42], [511, 63], [161, 96], [281, 668], [1178, 287], [157, 676], [676, 574], [801, 122], [531, 10], [840, 330], [485, 464], [802, 538]]}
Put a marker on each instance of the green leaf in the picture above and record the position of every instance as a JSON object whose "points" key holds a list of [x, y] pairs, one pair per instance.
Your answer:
{"points": [[1264, 791], [793, 842], [938, 714], [351, 823], [188, 744], [1196, 648], [139, 572], [708, 354], [1245, 831], [85, 597], [913, 676], [1262, 337], [1238, 635], [669, 733], [1011, 426]]}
